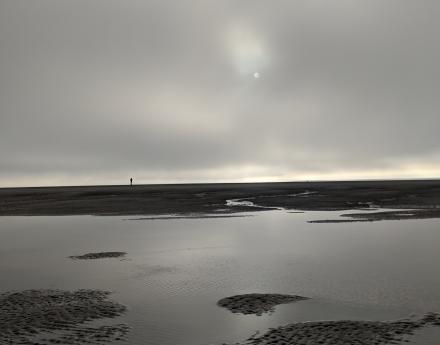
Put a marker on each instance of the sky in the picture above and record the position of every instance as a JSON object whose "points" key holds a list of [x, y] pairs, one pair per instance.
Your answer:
{"points": [[98, 91]]}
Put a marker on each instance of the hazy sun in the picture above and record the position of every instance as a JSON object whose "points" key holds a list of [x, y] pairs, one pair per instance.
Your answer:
{"points": [[247, 49]]}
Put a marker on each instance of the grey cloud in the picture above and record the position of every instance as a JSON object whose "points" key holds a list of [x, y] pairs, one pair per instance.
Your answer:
{"points": [[97, 90]]}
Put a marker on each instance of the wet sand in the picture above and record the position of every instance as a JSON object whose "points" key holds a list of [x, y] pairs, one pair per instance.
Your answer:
{"points": [[343, 332], [203, 199], [387, 215], [256, 303], [54, 316], [194, 216], [99, 255]]}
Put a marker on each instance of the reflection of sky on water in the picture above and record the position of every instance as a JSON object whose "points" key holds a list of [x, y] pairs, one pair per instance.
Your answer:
{"points": [[176, 270]]}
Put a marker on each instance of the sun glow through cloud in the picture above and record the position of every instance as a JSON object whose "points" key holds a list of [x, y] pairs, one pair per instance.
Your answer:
{"points": [[247, 50]]}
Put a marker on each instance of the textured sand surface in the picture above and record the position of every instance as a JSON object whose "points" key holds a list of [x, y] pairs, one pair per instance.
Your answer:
{"points": [[344, 332], [53, 316], [99, 255], [256, 303]]}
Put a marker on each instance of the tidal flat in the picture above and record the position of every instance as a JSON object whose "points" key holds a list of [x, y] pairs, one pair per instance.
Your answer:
{"points": [[374, 280], [421, 196]]}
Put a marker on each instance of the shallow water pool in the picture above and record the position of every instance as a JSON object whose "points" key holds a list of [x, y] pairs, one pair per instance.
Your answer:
{"points": [[176, 269]]}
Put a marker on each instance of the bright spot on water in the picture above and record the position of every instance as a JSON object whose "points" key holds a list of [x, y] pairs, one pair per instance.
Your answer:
{"points": [[256, 75]]}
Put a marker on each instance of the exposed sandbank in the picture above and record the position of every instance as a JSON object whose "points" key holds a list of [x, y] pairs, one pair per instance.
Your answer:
{"points": [[99, 255], [383, 215], [54, 316], [192, 216], [256, 303], [211, 199], [344, 332]]}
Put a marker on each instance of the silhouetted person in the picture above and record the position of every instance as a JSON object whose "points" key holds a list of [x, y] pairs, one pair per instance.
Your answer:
{"points": [[131, 181]]}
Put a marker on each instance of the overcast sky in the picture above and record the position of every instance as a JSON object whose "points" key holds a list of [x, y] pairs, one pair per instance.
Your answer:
{"points": [[98, 91]]}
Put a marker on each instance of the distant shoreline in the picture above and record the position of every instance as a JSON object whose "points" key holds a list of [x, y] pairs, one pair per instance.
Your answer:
{"points": [[431, 179], [421, 196]]}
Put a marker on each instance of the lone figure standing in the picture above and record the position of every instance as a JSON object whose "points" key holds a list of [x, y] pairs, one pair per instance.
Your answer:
{"points": [[131, 181]]}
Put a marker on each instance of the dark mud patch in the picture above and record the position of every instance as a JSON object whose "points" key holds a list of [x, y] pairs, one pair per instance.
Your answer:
{"points": [[344, 332], [58, 317], [100, 255], [256, 303]]}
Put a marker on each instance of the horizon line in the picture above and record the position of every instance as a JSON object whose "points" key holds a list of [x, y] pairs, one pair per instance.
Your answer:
{"points": [[229, 183]]}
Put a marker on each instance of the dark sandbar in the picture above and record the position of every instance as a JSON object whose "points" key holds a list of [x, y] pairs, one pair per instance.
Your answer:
{"points": [[384, 215], [54, 316], [99, 255], [202, 216], [256, 303], [344, 332]]}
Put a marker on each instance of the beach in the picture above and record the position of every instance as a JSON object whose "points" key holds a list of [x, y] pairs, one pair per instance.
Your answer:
{"points": [[237, 264], [422, 196]]}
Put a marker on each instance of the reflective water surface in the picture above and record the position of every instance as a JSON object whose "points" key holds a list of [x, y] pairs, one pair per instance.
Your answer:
{"points": [[177, 269]]}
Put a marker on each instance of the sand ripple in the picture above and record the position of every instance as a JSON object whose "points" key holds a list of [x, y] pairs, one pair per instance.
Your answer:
{"points": [[344, 332], [42, 317], [256, 303]]}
